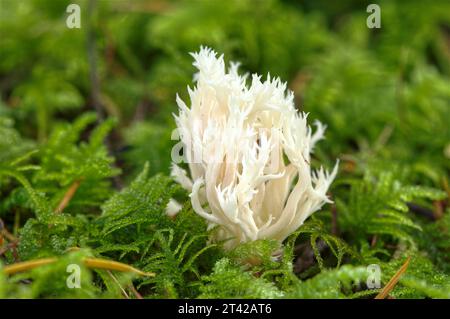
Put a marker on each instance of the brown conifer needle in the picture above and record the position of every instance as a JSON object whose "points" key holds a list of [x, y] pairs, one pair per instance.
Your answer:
{"points": [[68, 196], [393, 281], [89, 262], [113, 265], [27, 265]]}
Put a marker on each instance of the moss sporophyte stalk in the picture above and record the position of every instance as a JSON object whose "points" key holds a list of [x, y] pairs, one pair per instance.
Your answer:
{"points": [[248, 153]]}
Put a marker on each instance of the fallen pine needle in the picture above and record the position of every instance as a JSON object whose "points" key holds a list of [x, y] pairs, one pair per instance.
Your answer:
{"points": [[68, 196], [27, 265], [393, 281], [113, 265], [89, 262]]}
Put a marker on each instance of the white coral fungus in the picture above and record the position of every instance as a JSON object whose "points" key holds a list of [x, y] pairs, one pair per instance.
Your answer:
{"points": [[248, 151]]}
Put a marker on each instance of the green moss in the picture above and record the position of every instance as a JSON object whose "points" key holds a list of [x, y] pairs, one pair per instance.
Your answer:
{"points": [[75, 184]]}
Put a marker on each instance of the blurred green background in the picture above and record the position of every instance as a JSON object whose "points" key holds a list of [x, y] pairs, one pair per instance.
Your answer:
{"points": [[384, 93]]}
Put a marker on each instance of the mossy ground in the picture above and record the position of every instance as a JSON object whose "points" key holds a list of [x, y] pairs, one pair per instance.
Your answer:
{"points": [[85, 126]]}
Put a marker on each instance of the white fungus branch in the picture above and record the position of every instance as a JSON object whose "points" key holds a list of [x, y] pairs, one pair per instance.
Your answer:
{"points": [[248, 151]]}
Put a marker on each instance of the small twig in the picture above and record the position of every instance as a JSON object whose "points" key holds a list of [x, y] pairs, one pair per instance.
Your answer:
{"points": [[68, 196], [135, 292], [118, 284], [393, 281], [334, 223]]}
